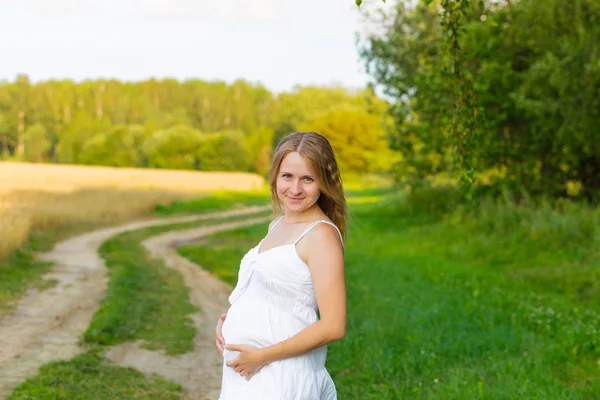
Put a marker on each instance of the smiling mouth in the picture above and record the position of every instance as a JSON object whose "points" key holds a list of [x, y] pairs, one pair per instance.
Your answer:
{"points": [[295, 198]]}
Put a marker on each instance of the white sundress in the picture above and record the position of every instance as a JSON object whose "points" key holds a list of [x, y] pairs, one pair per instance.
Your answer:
{"points": [[273, 300]]}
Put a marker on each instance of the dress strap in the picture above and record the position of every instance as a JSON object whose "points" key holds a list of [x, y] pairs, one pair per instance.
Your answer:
{"points": [[315, 223], [273, 227], [275, 224]]}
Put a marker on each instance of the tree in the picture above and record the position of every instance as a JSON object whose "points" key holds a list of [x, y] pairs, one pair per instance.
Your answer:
{"points": [[120, 147], [73, 136], [534, 76], [6, 140], [463, 116], [259, 144], [36, 144], [174, 148], [24, 89], [358, 138], [406, 62], [224, 151]]}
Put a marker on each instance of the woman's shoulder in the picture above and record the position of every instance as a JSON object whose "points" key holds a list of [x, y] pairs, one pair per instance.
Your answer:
{"points": [[323, 244], [326, 232]]}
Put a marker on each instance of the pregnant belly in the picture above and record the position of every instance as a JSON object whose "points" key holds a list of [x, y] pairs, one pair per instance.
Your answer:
{"points": [[258, 324]]}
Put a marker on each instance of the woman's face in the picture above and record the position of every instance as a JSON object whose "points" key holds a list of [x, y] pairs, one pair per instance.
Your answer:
{"points": [[297, 187]]}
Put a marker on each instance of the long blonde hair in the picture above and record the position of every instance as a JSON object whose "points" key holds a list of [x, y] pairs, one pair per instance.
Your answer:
{"points": [[316, 149]]}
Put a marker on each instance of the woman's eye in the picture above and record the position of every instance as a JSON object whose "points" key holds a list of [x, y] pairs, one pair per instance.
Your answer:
{"points": [[308, 179]]}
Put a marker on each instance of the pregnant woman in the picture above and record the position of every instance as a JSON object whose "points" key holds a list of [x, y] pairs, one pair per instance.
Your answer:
{"points": [[273, 343]]}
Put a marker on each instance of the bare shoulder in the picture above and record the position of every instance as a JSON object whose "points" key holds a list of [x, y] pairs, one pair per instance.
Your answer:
{"points": [[324, 239], [323, 253]]}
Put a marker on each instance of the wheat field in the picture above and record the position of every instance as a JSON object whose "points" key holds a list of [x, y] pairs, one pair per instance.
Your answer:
{"points": [[46, 196]]}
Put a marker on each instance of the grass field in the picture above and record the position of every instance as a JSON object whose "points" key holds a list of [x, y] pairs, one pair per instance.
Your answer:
{"points": [[459, 305]]}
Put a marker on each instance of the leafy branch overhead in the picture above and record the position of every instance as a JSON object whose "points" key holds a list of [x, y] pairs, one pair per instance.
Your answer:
{"points": [[462, 115]]}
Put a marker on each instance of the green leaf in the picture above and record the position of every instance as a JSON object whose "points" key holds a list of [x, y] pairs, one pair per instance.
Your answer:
{"points": [[428, 2], [358, 2]]}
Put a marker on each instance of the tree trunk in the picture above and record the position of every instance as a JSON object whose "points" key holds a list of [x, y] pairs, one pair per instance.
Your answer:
{"points": [[20, 138], [99, 108]]}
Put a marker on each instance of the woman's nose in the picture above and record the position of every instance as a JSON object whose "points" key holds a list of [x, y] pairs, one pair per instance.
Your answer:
{"points": [[296, 187]]}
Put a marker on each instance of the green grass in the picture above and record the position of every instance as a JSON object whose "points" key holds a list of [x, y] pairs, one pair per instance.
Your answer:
{"points": [[21, 271], [15, 275], [221, 252], [440, 308], [86, 377], [553, 248], [145, 299]]}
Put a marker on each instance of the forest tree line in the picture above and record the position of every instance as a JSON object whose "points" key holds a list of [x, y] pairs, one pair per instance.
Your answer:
{"points": [[184, 125]]}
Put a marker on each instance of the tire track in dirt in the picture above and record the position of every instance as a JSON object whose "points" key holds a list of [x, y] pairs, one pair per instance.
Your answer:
{"points": [[47, 325]]}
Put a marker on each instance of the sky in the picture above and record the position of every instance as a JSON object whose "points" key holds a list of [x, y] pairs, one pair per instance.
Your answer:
{"points": [[277, 43]]}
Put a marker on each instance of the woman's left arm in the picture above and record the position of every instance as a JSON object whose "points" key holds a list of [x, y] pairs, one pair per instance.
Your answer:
{"points": [[326, 263]]}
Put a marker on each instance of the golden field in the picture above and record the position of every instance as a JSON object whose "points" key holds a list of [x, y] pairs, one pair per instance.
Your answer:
{"points": [[46, 196]]}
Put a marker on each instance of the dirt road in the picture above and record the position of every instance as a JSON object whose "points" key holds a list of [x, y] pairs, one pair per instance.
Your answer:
{"points": [[47, 325]]}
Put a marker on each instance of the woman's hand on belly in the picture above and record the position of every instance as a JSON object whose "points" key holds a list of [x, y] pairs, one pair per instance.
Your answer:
{"points": [[250, 360], [219, 334]]}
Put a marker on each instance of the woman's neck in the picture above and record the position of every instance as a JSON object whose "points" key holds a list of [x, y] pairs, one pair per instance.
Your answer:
{"points": [[309, 215]]}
